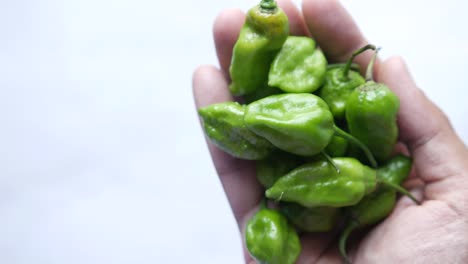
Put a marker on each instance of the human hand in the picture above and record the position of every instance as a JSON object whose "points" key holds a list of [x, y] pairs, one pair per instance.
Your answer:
{"points": [[434, 232]]}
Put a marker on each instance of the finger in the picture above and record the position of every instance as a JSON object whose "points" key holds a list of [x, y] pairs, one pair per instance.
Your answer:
{"points": [[297, 25], [237, 176], [335, 31], [313, 246], [226, 30], [440, 156], [331, 256]]}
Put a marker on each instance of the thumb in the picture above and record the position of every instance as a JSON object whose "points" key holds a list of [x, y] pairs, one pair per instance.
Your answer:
{"points": [[440, 156]]}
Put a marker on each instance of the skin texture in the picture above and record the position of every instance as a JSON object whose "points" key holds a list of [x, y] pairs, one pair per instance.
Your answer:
{"points": [[434, 231]]}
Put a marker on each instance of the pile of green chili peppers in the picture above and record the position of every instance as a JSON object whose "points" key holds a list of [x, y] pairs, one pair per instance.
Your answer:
{"points": [[322, 136]]}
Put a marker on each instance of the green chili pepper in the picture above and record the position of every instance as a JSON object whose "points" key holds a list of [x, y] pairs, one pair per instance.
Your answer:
{"points": [[371, 112], [370, 210], [270, 239], [339, 83], [223, 123], [393, 173], [378, 205], [278, 164], [299, 67], [300, 123], [265, 30], [297, 123], [320, 184], [396, 170], [337, 147], [316, 219]]}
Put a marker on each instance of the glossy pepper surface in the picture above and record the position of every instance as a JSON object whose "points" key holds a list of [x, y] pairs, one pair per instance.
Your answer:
{"points": [[299, 67], [265, 30], [371, 114], [320, 184], [223, 124], [315, 219], [340, 81], [396, 170], [270, 239], [297, 123]]}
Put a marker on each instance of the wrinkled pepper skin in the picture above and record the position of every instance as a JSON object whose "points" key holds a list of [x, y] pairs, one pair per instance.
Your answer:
{"points": [[320, 184], [316, 219], [300, 124], [223, 124], [270, 239], [336, 89], [299, 67], [371, 113], [276, 165], [265, 30]]}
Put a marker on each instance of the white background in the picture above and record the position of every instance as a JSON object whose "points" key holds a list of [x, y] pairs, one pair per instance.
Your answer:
{"points": [[101, 156]]}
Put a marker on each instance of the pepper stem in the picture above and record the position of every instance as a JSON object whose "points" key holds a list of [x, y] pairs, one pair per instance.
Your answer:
{"points": [[370, 67], [341, 133], [353, 66], [343, 238], [399, 189], [268, 5], [350, 61], [330, 160]]}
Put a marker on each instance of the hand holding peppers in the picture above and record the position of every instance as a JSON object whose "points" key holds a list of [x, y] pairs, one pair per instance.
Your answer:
{"points": [[439, 161]]}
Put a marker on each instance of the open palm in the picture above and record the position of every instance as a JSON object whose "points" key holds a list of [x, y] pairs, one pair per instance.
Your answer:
{"points": [[434, 232]]}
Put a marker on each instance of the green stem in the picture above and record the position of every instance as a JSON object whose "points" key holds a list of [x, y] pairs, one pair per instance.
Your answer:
{"points": [[341, 133], [350, 61], [330, 160], [268, 5], [399, 189], [343, 238], [354, 66], [370, 67]]}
